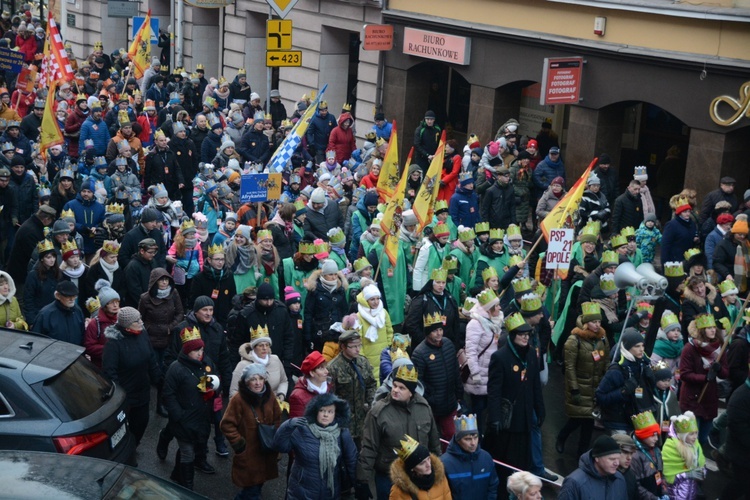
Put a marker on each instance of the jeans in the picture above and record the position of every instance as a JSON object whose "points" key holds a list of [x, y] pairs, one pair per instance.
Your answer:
{"points": [[537, 460], [704, 427], [382, 486], [250, 493]]}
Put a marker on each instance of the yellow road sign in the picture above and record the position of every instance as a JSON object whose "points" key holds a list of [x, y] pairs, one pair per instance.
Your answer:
{"points": [[278, 58], [282, 7], [278, 34]]}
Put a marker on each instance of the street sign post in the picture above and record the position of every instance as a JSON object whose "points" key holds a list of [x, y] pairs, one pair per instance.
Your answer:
{"points": [[138, 21], [282, 7], [278, 34], [282, 58]]}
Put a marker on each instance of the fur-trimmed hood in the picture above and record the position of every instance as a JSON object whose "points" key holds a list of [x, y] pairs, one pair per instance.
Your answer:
{"points": [[401, 479], [12, 288], [342, 408], [112, 332], [587, 334], [690, 295], [312, 281]]}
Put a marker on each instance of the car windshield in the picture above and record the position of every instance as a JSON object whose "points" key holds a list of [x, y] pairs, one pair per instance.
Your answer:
{"points": [[134, 485], [79, 390]]}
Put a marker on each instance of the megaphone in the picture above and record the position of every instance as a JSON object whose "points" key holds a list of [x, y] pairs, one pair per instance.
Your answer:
{"points": [[626, 276], [647, 271]]}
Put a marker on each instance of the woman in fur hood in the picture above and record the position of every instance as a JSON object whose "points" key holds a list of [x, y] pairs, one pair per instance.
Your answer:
{"points": [[417, 473], [325, 303], [700, 297]]}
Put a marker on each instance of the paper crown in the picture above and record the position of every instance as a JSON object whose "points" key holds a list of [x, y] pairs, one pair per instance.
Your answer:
{"points": [[68, 214], [336, 235], [644, 420], [441, 205], [8, 146], [200, 67], [439, 274], [531, 303], [111, 247], [465, 177], [115, 208], [661, 365], [515, 260], [466, 234], [645, 307], [44, 191], [674, 270], [682, 205], [473, 138], [264, 234], [407, 372], [540, 289], [215, 249], [307, 248], [486, 297], [496, 234], [618, 241], [513, 232], [466, 424], [321, 247], [728, 287], [401, 341], [705, 321], [187, 226], [68, 246], [209, 102], [159, 134], [610, 258], [669, 318], [521, 285], [287, 123], [268, 117], [98, 46], [259, 333], [607, 283], [361, 263], [44, 246], [685, 423], [514, 321], [322, 104], [136, 92], [595, 225], [93, 304], [380, 142], [489, 272], [450, 263], [691, 252], [591, 309], [627, 232], [640, 170], [188, 334], [482, 227], [346, 107], [241, 71], [398, 354], [222, 81], [123, 118], [432, 319], [408, 446]]}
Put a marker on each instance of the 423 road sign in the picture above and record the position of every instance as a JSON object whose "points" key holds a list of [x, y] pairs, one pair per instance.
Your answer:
{"points": [[277, 58]]}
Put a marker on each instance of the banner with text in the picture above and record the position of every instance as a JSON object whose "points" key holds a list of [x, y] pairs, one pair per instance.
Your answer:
{"points": [[559, 248], [260, 187]]}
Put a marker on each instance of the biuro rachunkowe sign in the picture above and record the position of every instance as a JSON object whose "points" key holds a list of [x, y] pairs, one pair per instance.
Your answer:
{"points": [[740, 107]]}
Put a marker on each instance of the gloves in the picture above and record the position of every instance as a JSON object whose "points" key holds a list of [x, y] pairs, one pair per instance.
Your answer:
{"points": [[362, 491], [716, 367], [713, 371], [239, 446], [629, 388], [575, 397]]}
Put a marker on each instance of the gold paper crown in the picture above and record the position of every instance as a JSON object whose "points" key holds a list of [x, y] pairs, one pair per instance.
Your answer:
{"points": [[618, 241], [531, 303], [361, 264], [591, 309], [264, 234], [466, 234], [705, 321], [515, 260], [260, 332], [610, 258], [115, 208], [540, 289], [268, 117], [65, 214], [644, 420], [287, 123], [397, 354], [187, 225], [322, 247], [199, 66], [81, 97], [450, 263], [241, 71], [660, 365], [489, 272], [68, 246], [669, 318], [209, 102], [674, 270], [111, 247], [93, 304], [306, 248], [98, 46], [96, 105], [407, 372], [521, 285], [222, 81], [432, 319], [322, 104], [469, 303], [408, 446], [472, 139], [628, 231], [514, 321], [496, 234], [513, 232], [346, 107], [591, 229], [136, 92], [214, 249], [466, 423], [607, 282], [441, 205], [691, 252], [486, 296], [401, 341], [728, 287], [122, 117], [439, 274], [177, 71], [188, 334], [645, 306], [482, 227], [159, 134], [380, 142], [682, 201], [685, 423]]}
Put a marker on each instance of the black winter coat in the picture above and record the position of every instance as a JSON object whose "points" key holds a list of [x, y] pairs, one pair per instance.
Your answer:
{"points": [[60, 323], [738, 412], [197, 135], [210, 146], [322, 309], [129, 246], [678, 236], [27, 196], [190, 413], [162, 166], [280, 329], [498, 206], [609, 182], [617, 404], [210, 280], [437, 367], [724, 254], [714, 197], [130, 361], [426, 140], [284, 244], [28, 235], [96, 273], [320, 223], [187, 157], [254, 147], [37, 294], [137, 274], [10, 212], [428, 303], [628, 211]]}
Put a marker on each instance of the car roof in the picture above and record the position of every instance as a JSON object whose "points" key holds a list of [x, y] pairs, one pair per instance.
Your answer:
{"points": [[38, 356]]}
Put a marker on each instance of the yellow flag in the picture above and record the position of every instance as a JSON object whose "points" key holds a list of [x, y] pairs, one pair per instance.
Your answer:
{"points": [[561, 215], [389, 171], [140, 49], [392, 211], [51, 134], [425, 200]]}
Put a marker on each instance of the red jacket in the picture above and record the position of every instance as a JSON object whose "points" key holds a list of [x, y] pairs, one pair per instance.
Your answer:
{"points": [[300, 396], [93, 337], [693, 378], [73, 130], [342, 141], [24, 103], [27, 46], [450, 179]]}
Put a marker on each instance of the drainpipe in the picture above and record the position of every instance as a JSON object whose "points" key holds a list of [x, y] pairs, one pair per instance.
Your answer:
{"points": [[179, 32]]}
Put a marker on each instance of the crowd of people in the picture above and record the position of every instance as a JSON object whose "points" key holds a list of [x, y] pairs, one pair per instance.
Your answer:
{"points": [[291, 315]]}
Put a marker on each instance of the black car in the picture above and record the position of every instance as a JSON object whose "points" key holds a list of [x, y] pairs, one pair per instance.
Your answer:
{"points": [[53, 399], [34, 475]]}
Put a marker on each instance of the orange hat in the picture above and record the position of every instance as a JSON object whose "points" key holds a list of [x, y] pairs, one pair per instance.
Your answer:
{"points": [[740, 225], [234, 176]]}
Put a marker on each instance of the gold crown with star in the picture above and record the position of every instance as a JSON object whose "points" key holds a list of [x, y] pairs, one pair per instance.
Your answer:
{"points": [[258, 333], [432, 319], [407, 372], [44, 246], [68, 246], [408, 446], [111, 247]]}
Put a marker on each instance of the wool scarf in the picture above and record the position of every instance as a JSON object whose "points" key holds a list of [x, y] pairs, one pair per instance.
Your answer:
{"points": [[258, 359], [109, 269], [328, 452], [375, 318]]}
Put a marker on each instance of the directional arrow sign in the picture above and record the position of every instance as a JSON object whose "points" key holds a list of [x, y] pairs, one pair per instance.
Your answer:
{"points": [[278, 58], [278, 34], [282, 7]]}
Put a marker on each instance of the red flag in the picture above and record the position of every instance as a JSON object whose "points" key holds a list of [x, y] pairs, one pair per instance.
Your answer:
{"points": [[55, 64]]}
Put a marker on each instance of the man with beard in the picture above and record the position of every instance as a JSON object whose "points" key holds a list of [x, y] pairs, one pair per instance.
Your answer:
{"points": [[187, 162]]}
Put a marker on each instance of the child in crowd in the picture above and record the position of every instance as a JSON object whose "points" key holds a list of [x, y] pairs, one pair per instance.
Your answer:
{"points": [[648, 237], [647, 464], [684, 463], [665, 396], [669, 343]]}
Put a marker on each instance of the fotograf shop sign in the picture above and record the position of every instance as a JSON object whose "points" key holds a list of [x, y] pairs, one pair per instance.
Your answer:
{"points": [[437, 46], [561, 80], [559, 248], [260, 187]]}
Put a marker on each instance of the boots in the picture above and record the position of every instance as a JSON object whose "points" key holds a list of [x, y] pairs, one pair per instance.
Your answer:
{"points": [[162, 446], [200, 460], [176, 474], [188, 474]]}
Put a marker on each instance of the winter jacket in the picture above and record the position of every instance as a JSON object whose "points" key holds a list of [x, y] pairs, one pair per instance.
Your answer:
{"points": [[159, 95], [137, 275], [94, 337], [162, 167], [547, 202], [584, 370], [284, 244], [714, 197], [360, 222], [693, 381], [724, 255], [187, 156], [405, 489], [644, 470], [522, 186], [28, 235], [647, 241], [210, 280], [130, 361], [210, 146], [385, 426], [60, 323], [693, 305], [428, 303], [253, 147], [449, 177], [585, 483], [319, 131], [437, 367], [738, 423], [372, 349], [426, 141], [22, 145], [323, 308], [300, 397], [277, 379], [319, 223], [89, 214], [27, 196], [73, 124], [10, 310], [280, 331], [97, 131], [617, 404], [594, 207], [628, 211], [129, 246], [480, 339], [738, 357], [499, 206], [546, 170], [464, 207], [356, 387], [160, 316], [471, 476], [190, 410], [609, 182], [679, 235], [712, 241], [342, 140], [37, 294]]}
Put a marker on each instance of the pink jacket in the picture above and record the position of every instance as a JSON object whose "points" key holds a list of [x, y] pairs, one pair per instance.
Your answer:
{"points": [[478, 337]]}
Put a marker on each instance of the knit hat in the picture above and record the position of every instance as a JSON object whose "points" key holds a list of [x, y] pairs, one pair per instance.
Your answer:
{"points": [[559, 181], [311, 362], [407, 375], [150, 215], [291, 296], [318, 196], [265, 292], [661, 371], [604, 159], [329, 266], [630, 338], [201, 302], [429, 114], [645, 425], [725, 218], [252, 370], [740, 225], [127, 316], [603, 446], [370, 291], [371, 199], [60, 227], [625, 442], [106, 293], [593, 180], [650, 217], [416, 457], [89, 185]]}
